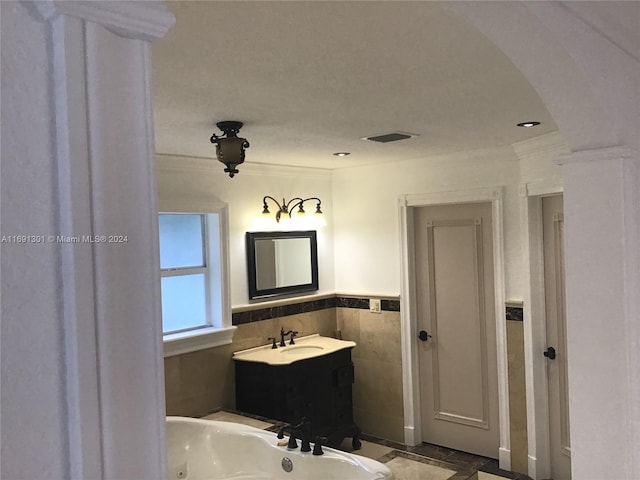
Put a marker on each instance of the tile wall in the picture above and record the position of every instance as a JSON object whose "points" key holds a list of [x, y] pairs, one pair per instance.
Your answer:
{"points": [[517, 389], [201, 382], [198, 383], [377, 392]]}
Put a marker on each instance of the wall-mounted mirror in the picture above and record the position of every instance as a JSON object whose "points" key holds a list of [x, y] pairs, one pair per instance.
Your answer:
{"points": [[281, 263]]}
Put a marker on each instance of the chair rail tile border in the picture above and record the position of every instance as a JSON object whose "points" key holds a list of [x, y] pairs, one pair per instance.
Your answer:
{"points": [[295, 308], [514, 313]]}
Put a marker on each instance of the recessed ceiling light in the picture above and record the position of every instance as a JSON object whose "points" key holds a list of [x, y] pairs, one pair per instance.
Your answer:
{"points": [[528, 124], [342, 154]]}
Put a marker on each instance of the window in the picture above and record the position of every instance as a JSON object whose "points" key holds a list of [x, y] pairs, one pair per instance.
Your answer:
{"points": [[195, 311], [184, 267]]}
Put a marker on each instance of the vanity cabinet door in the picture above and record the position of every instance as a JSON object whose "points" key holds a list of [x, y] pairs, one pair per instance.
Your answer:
{"points": [[317, 389], [259, 390]]}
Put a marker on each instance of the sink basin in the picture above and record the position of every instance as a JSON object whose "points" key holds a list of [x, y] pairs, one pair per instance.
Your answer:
{"points": [[302, 350], [311, 346]]}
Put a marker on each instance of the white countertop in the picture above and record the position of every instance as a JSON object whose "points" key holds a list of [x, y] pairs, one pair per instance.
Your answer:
{"points": [[305, 347]]}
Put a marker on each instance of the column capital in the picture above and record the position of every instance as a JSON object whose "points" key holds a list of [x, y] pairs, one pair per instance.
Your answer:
{"points": [[141, 20], [597, 155]]}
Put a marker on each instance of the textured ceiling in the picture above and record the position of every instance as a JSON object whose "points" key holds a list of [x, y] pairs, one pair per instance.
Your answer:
{"points": [[311, 78]]}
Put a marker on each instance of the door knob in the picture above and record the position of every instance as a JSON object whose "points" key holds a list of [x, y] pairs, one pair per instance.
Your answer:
{"points": [[424, 336], [550, 353]]}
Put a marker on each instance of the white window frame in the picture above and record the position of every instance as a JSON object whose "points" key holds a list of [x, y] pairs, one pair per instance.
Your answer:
{"points": [[205, 220], [220, 331]]}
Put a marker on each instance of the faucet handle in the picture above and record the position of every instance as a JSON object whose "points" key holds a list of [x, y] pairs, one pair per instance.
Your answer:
{"points": [[273, 339], [306, 446], [293, 334], [317, 447]]}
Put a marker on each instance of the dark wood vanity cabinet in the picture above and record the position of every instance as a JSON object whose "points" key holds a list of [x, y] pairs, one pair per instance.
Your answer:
{"points": [[317, 389]]}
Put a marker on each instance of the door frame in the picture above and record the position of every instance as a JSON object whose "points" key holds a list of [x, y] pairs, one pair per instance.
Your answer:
{"points": [[535, 333], [408, 308]]}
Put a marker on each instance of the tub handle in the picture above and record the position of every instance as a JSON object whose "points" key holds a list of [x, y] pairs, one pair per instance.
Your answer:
{"points": [[317, 447]]}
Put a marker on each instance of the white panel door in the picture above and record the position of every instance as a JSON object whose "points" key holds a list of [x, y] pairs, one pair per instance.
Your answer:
{"points": [[457, 354], [556, 352]]}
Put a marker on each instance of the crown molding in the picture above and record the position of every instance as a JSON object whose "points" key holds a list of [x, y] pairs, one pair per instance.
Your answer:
{"points": [[597, 155], [471, 195], [551, 144], [148, 20]]}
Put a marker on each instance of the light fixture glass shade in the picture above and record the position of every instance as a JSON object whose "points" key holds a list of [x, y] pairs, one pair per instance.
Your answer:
{"points": [[230, 150], [320, 221], [285, 220]]}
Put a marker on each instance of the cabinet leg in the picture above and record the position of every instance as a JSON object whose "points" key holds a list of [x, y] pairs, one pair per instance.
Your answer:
{"points": [[355, 443]]}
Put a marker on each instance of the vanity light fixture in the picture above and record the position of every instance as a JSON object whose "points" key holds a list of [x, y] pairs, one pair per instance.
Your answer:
{"points": [[229, 147], [286, 208], [528, 124]]}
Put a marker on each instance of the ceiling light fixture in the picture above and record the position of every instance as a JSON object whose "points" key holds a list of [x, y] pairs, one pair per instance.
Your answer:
{"points": [[528, 124], [286, 208], [342, 154], [230, 148]]}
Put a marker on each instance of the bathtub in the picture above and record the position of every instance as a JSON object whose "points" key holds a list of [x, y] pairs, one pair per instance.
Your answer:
{"points": [[211, 450]]}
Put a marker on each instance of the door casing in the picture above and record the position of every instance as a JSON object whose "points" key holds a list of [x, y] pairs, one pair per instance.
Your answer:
{"points": [[410, 380], [535, 333]]}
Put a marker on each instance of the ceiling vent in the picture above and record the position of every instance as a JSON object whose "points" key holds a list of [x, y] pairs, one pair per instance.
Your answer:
{"points": [[390, 137]]}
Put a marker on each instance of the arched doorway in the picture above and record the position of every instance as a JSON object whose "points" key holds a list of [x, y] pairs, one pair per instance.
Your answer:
{"points": [[588, 80]]}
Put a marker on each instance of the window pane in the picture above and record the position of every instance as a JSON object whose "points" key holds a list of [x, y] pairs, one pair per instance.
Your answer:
{"points": [[181, 243], [183, 302]]}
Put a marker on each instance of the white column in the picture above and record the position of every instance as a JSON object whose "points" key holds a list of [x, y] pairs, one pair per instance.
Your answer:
{"points": [[603, 293], [106, 201]]}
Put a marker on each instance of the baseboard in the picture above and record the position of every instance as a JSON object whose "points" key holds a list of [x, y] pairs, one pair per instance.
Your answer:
{"points": [[410, 436], [504, 457], [538, 468], [532, 467]]}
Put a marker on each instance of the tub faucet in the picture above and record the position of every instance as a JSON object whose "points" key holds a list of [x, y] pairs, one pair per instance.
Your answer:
{"points": [[292, 436], [302, 431]]}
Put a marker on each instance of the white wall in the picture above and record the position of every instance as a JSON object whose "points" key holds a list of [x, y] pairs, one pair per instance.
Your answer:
{"points": [[33, 397], [367, 246], [360, 205], [204, 180]]}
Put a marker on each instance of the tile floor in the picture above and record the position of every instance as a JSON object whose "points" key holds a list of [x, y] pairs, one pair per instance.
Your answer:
{"points": [[422, 462]]}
